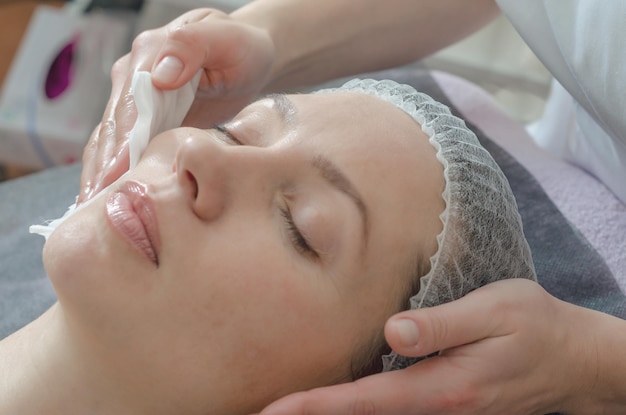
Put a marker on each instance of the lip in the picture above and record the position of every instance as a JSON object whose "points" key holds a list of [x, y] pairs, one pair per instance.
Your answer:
{"points": [[130, 212]]}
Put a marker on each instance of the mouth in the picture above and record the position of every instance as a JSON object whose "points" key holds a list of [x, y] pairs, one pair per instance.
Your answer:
{"points": [[130, 212]]}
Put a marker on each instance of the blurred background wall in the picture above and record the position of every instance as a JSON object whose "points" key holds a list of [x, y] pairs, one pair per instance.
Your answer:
{"points": [[495, 58]]}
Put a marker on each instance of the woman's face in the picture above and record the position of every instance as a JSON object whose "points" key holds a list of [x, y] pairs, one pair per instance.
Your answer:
{"points": [[255, 261]]}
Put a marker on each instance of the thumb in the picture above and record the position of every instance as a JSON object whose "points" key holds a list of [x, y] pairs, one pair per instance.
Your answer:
{"points": [[182, 49], [212, 43], [425, 331]]}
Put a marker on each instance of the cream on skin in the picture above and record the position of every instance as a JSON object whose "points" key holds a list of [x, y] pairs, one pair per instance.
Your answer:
{"points": [[275, 247]]}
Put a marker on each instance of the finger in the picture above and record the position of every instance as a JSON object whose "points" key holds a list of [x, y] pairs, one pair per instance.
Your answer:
{"points": [[382, 394], [89, 171], [103, 153], [467, 320], [102, 144], [118, 165]]}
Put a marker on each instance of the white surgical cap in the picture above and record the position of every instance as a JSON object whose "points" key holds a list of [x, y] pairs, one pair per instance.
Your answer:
{"points": [[482, 239]]}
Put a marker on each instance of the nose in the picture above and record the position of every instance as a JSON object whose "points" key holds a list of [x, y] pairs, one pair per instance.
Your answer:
{"points": [[201, 171]]}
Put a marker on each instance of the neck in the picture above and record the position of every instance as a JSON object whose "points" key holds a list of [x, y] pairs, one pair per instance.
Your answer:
{"points": [[44, 370]]}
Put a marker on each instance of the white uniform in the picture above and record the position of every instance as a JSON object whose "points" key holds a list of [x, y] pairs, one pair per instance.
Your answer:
{"points": [[583, 44]]}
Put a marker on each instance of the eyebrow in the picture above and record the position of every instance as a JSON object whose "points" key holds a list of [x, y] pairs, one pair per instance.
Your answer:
{"points": [[284, 107], [334, 176]]}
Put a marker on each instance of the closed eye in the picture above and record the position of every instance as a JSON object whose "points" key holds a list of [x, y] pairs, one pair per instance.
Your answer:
{"points": [[227, 134], [297, 239]]}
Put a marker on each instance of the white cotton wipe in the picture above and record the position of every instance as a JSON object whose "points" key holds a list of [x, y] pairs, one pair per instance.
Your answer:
{"points": [[157, 111]]}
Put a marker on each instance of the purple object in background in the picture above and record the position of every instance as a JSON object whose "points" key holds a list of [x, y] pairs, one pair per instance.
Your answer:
{"points": [[61, 71]]}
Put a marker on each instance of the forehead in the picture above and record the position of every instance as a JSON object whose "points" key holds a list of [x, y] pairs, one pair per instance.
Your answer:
{"points": [[376, 123]]}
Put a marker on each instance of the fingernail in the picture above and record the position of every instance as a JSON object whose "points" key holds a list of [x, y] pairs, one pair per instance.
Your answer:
{"points": [[407, 331], [109, 166], [84, 194], [122, 149], [89, 194], [96, 189], [168, 70]]}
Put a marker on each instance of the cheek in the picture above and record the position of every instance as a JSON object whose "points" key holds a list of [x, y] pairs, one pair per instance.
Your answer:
{"points": [[240, 295], [229, 320], [257, 314]]}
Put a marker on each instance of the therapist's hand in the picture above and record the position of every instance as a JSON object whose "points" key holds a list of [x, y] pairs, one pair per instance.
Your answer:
{"points": [[235, 59], [509, 347]]}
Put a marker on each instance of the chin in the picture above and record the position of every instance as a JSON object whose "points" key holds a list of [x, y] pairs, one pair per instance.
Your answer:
{"points": [[97, 278], [73, 254]]}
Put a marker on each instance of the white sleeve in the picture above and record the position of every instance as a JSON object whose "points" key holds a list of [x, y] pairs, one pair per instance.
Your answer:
{"points": [[582, 43]]}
